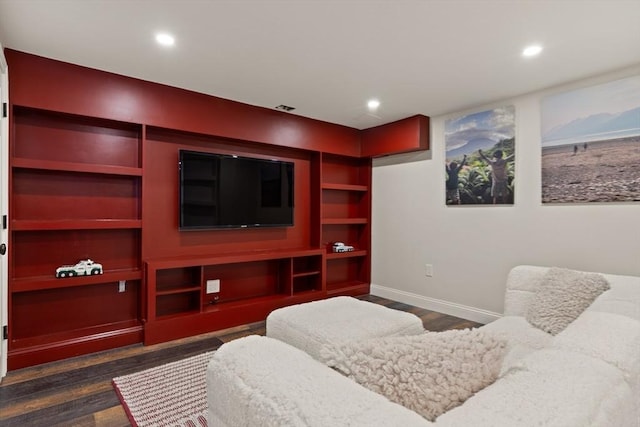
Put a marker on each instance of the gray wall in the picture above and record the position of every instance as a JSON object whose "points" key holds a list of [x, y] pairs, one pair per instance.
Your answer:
{"points": [[473, 248]]}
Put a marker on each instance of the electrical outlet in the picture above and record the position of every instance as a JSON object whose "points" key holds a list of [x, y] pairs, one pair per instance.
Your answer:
{"points": [[428, 270], [122, 286], [213, 286]]}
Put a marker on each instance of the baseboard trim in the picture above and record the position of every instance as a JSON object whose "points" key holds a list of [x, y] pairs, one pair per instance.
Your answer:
{"points": [[453, 309]]}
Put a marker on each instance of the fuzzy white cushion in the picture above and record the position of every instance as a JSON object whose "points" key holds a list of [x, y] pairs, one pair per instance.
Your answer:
{"points": [[428, 373], [562, 296]]}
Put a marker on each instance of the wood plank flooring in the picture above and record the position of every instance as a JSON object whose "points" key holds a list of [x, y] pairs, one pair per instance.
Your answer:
{"points": [[78, 392]]}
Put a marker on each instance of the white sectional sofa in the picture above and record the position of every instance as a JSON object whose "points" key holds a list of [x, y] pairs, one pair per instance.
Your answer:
{"points": [[586, 375]]}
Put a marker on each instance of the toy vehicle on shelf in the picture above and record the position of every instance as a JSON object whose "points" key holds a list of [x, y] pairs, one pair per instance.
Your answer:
{"points": [[341, 247], [85, 267]]}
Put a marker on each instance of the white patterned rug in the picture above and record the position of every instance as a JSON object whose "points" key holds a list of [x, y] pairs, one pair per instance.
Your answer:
{"points": [[173, 394]]}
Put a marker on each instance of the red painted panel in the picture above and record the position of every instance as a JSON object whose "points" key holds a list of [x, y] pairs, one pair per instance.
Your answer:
{"points": [[350, 289], [411, 134], [353, 235], [220, 316], [173, 279], [49, 84], [50, 195], [342, 170], [244, 280], [344, 204], [39, 253], [306, 283], [345, 270], [40, 313], [56, 137], [307, 264], [115, 336], [188, 302], [161, 236]]}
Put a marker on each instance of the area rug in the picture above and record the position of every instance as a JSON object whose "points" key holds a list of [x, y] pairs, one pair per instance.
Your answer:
{"points": [[173, 394]]}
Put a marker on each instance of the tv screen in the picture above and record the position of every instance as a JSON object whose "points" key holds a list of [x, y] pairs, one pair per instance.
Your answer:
{"points": [[225, 191]]}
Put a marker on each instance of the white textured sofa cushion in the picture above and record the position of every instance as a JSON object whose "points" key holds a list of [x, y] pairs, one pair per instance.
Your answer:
{"points": [[259, 381], [612, 338], [522, 338], [623, 298], [550, 388], [311, 325]]}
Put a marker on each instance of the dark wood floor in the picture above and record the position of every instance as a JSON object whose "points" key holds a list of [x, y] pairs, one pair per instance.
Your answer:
{"points": [[78, 391]]}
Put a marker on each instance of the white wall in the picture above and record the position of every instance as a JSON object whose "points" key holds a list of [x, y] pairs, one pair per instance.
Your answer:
{"points": [[473, 248]]}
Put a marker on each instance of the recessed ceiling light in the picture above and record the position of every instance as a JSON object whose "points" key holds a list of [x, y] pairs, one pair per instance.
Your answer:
{"points": [[373, 104], [532, 50], [165, 39]]}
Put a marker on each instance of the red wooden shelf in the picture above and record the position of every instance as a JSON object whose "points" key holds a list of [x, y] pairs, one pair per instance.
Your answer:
{"points": [[340, 255], [243, 302], [306, 273], [175, 291], [61, 339], [74, 224], [257, 301], [344, 187], [50, 282], [75, 167], [353, 286], [344, 221], [230, 258], [178, 315]]}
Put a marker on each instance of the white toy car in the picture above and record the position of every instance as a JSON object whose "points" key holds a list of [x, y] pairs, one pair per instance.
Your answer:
{"points": [[85, 267], [341, 247]]}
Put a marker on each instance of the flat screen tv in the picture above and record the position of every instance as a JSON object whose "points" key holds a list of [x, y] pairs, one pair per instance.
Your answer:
{"points": [[226, 191]]}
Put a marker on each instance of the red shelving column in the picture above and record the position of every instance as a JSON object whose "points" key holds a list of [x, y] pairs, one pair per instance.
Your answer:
{"points": [[75, 194], [346, 217]]}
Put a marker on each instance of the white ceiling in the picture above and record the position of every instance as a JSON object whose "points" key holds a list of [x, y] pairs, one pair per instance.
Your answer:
{"points": [[327, 58]]}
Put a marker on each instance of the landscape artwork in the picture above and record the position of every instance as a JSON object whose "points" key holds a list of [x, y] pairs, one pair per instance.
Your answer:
{"points": [[591, 144], [480, 158]]}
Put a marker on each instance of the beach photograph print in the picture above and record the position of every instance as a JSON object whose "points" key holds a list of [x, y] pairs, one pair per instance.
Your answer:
{"points": [[591, 144], [480, 158]]}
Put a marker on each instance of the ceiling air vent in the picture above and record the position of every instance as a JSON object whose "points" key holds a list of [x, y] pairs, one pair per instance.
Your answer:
{"points": [[285, 107]]}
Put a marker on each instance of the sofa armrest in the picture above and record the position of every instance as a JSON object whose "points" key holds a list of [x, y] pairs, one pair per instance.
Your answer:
{"points": [[522, 282], [260, 381]]}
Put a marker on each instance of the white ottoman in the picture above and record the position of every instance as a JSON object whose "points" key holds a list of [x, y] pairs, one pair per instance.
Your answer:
{"points": [[311, 325]]}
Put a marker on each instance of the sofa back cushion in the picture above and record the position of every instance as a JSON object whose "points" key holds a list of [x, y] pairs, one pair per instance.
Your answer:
{"points": [[551, 388], [523, 281], [562, 296], [623, 298]]}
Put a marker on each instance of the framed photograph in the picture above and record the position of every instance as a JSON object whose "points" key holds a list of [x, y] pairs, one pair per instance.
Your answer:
{"points": [[591, 144], [480, 158]]}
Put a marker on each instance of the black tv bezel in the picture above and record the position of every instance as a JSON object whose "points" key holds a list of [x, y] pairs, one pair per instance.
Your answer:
{"points": [[181, 227]]}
